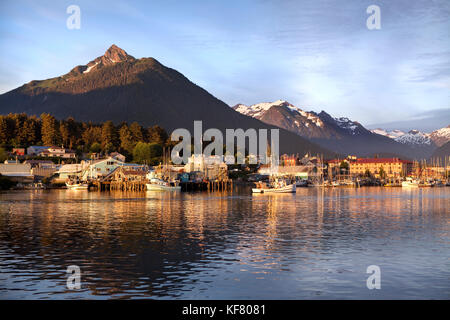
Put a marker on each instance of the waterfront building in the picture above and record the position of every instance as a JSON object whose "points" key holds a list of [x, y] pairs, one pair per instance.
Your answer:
{"points": [[101, 168], [19, 172], [41, 168], [68, 171], [392, 167], [212, 167], [123, 174]]}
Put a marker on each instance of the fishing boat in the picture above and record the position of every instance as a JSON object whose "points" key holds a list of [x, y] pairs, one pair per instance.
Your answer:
{"points": [[76, 185], [156, 184], [410, 183], [277, 186]]}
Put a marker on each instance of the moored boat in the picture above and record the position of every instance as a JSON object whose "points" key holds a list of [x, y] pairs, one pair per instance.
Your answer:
{"points": [[410, 183], [278, 186], [76, 185], [156, 184]]}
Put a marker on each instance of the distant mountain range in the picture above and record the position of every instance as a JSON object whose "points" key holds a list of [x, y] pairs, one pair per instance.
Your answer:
{"points": [[416, 138], [118, 87], [341, 135]]}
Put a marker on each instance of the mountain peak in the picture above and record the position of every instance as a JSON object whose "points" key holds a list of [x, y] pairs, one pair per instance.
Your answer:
{"points": [[116, 54]]}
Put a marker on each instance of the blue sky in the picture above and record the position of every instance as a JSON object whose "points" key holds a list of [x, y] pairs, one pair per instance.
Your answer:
{"points": [[318, 54]]}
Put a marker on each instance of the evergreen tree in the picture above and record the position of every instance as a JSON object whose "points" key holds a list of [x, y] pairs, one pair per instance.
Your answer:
{"points": [[137, 132], [149, 153], [90, 135], [127, 141], [157, 135], [109, 137], [50, 130]]}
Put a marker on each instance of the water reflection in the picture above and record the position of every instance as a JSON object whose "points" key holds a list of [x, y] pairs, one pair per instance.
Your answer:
{"points": [[313, 244]]}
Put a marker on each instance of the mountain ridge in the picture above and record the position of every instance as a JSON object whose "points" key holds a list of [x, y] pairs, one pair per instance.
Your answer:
{"points": [[141, 90], [341, 135]]}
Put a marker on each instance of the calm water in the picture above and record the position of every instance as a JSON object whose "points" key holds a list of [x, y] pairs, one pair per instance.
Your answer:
{"points": [[316, 244]]}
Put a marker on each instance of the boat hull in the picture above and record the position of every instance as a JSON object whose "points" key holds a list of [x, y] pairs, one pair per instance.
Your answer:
{"points": [[78, 186], [409, 185], [287, 189], [157, 187]]}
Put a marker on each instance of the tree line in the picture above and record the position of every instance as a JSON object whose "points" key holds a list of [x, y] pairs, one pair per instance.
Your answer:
{"points": [[137, 143]]}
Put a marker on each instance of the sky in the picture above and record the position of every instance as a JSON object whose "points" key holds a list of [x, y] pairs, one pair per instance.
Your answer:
{"points": [[317, 54]]}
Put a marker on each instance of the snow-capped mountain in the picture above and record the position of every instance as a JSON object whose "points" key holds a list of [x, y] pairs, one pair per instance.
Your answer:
{"points": [[414, 137], [259, 110], [305, 123], [338, 134], [441, 136], [390, 134]]}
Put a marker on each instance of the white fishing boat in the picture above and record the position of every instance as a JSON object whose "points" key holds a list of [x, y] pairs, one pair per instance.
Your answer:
{"points": [[74, 185], [278, 186], [410, 183], [156, 184]]}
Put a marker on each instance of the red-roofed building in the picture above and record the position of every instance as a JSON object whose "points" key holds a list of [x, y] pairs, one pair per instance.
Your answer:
{"points": [[393, 167]]}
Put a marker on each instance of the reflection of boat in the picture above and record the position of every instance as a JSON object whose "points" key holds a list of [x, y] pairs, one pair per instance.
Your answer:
{"points": [[75, 185], [438, 183], [392, 184], [161, 185], [301, 183], [425, 184], [34, 186], [410, 183], [335, 184], [278, 186]]}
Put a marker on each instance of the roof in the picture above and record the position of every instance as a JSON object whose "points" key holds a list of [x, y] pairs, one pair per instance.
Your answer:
{"points": [[379, 160], [135, 172], [38, 161]]}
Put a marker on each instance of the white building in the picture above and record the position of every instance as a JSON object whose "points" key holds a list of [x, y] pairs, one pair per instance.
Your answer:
{"points": [[20, 172], [213, 167]]}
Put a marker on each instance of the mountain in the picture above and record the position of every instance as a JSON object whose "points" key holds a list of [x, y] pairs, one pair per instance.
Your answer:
{"points": [[442, 153], [417, 139], [390, 134], [118, 87], [412, 137], [441, 136], [340, 135]]}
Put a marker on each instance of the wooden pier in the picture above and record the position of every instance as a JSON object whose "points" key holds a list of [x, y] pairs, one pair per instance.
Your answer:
{"points": [[211, 186], [120, 185], [214, 185]]}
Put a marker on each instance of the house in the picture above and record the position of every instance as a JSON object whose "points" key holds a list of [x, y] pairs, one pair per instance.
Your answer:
{"points": [[117, 156], [59, 152], [34, 150], [101, 168], [18, 151], [19, 172]]}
